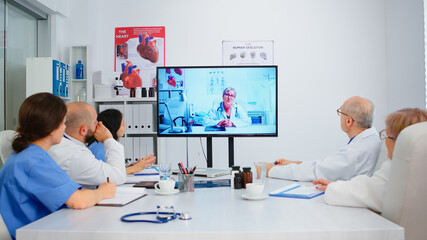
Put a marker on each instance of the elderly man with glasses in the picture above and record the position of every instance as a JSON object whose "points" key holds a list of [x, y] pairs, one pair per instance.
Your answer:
{"points": [[359, 156]]}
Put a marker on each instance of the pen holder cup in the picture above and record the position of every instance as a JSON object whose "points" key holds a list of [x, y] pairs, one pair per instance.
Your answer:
{"points": [[186, 182]]}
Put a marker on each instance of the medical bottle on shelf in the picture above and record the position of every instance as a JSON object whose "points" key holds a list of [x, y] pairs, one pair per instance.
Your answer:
{"points": [[138, 92], [144, 92], [151, 92], [81, 95], [132, 92], [237, 180], [234, 170], [79, 70], [246, 176]]}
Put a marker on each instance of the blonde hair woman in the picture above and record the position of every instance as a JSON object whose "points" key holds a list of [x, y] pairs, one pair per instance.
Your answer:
{"points": [[365, 191]]}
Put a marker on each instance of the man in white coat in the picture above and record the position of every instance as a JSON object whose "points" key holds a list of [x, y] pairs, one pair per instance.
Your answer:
{"points": [[359, 156], [77, 160]]}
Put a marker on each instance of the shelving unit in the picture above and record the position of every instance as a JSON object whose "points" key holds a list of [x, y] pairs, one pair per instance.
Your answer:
{"points": [[83, 53], [141, 134]]}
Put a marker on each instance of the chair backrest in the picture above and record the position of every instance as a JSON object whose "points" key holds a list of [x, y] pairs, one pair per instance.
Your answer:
{"points": [[405, 194], [382, 157], [6, 138], [4, 232]]}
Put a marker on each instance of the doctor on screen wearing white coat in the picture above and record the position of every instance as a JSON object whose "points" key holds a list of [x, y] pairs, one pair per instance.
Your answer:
{"points": [[227, 113], [358, 157]]}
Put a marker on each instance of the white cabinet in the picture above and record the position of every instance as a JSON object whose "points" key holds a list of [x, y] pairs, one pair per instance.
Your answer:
{"points": [[141, 134], [45, 74], [81, 89]]}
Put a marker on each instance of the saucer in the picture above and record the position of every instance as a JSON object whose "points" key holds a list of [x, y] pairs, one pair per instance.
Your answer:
{"points": [[166, 193], [260, 197]]}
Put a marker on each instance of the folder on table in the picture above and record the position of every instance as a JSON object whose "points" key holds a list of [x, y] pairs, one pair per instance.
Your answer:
{"points": [[124, 195], [297, 191]]}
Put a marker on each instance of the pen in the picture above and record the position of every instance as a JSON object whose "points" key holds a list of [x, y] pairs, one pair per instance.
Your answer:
{"points": [[108, 179], [194, 169], [182, 165]]}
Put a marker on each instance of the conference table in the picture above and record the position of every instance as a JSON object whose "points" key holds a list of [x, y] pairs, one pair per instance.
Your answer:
{"points": [[218, 213]]}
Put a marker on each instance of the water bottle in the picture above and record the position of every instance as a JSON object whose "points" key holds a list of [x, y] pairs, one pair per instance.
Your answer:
{"points": [[81, 95], [79, 70]]}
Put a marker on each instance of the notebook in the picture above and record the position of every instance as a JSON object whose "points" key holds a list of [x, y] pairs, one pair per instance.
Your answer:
{"points": [[214, 128], [207, 172], [297, 191], [124, 195]]}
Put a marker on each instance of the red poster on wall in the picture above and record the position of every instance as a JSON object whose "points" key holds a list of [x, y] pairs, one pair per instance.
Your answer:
{"points": [[137, 53]]}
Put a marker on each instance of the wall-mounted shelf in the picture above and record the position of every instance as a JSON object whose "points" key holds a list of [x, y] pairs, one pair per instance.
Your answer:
{"points": [[82, 53], [127, 99]]}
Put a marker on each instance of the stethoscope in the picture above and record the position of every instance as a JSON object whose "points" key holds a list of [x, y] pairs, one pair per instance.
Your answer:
{"points": [[220, 109], [161, 216]]}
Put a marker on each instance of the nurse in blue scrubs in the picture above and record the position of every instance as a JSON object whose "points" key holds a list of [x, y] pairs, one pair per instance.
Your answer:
{"points": [[113, 120], [227, 113], [32, 185]]}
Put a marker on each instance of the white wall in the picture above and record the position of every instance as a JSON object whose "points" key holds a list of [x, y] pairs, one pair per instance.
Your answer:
{"points": [[406, 55], [326, 51]]}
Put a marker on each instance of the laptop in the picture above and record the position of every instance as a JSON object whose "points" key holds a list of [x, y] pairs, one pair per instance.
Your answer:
{"points": [[207, 172]]}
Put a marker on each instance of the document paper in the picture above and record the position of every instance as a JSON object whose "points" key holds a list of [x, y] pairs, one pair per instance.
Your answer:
{"points": [[124, 195]]}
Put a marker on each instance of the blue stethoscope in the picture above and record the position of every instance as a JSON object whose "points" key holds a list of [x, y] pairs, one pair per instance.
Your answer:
{"points": [[161, 216]]}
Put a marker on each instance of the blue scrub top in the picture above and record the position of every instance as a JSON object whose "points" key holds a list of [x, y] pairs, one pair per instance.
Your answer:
{"points": [[98, 149], [32, 185]]}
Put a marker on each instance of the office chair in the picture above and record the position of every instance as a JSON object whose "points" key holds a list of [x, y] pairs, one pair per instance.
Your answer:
{"points": [[405, 194], [6, 138], [382, 157], [4, 232]]}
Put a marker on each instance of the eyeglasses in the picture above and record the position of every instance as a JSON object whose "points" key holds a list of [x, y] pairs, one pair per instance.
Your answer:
{"points": [[383, 135], [229, 95], [339, 112]]}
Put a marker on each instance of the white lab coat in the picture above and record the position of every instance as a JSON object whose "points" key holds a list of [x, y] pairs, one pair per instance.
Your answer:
{"points": [[356, 158], [82, 166], [238, 115], [360, 191]]}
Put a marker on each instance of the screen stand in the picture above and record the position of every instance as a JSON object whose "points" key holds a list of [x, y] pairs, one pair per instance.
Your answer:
{"points": [[230, 151], [209, 151], [186, 142]]}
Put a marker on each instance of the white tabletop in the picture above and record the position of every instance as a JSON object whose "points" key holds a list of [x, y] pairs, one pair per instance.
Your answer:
{"points": [[218, 213]]}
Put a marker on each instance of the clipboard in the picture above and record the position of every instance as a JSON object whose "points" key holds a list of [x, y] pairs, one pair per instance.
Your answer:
{"points": [[297, 191], [124, 196]]}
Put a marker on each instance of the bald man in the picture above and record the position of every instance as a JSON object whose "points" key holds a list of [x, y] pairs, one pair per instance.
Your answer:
{"points": [[77, 160], [358, 157]]}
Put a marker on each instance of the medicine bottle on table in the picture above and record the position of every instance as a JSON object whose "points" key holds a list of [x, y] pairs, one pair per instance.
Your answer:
{"points": [[234, 170], [238, 180], [132, 92], [246, 176]]}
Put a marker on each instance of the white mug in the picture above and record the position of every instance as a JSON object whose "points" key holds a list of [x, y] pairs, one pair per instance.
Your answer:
{"points": [[255, 189], [165, 185]]}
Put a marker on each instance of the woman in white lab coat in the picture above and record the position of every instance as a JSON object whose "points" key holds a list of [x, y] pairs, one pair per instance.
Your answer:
{"points": [[365, 191], [227, 113]]}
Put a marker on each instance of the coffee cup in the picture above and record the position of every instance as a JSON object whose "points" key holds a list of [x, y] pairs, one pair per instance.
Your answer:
{"points": [[254, 189], [165, 185]]}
